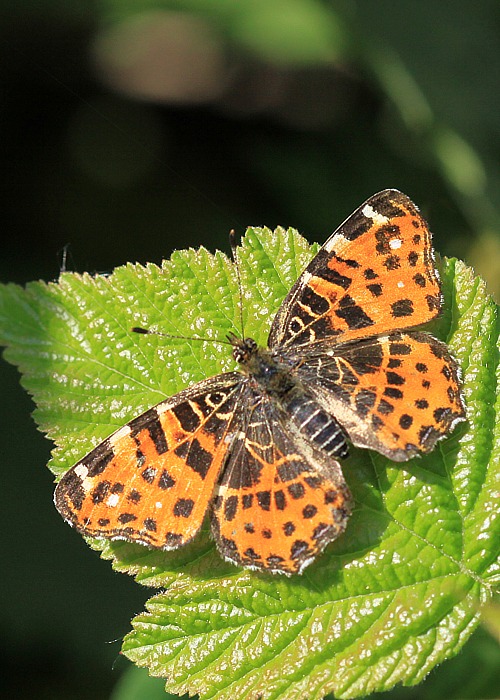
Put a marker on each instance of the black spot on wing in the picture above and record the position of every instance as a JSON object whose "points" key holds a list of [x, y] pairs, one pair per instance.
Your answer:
{"points": [[309, 511], [356, 225], [165, 481], [264, 499], [296, 490], [99, 493], [198, 458], [394, 363], [384, 407], [134, 496], [405, 421], [392, 262], [150, 524], [377, 422], [188, 419], [394, 378], [393, 393], [280, 500], [157, 433], [402, 308], [149, 475], [317, 303], [183, 507], [354, 316], [230, 507], [419, 279], [396, 348], [247, 500], [99, 458], [124, 518], [441, 414]]}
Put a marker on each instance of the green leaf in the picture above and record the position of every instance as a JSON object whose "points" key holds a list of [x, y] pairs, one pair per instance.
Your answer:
{"points": [[400, 592]]}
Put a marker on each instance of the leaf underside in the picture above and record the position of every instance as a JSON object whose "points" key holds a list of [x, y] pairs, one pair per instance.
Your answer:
{"points": [[400, 592]]}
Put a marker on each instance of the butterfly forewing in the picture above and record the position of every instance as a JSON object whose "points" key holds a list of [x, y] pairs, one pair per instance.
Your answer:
{"points": [[373, 275], [279, 501], [152, 480]]}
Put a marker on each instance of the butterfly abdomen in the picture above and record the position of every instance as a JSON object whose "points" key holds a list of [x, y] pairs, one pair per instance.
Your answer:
{"points": [[313, 422]]}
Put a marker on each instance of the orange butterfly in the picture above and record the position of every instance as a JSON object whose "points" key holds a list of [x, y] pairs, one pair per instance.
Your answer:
{"points": [[258, 448]]}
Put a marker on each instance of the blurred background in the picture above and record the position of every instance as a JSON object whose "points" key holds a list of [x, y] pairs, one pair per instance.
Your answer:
{"points": [[132, 128]]}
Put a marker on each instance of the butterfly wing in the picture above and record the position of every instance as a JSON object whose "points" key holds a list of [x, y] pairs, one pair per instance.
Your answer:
{"points": [[375, 274], [152, 480], [279, 501], [397, 394]]}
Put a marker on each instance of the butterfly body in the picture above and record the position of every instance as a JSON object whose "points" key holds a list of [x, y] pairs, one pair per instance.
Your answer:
{"points": [[275, 380], [257, 449]]}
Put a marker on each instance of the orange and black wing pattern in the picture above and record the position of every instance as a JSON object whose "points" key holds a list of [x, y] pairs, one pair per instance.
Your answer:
{"points": [[397, 394], [279, 501], [375, 274], [152, 480]]}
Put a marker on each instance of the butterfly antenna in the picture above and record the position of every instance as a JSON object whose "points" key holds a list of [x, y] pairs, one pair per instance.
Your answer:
{"points": [[148, 331], [234, 252]]}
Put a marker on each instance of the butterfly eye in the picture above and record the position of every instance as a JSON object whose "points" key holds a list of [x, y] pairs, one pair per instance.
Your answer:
{"points": [[250, 344], [239, 354]]}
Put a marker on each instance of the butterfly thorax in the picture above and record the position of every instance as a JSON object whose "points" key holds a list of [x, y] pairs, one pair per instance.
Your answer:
{"points": [[276, 380]]}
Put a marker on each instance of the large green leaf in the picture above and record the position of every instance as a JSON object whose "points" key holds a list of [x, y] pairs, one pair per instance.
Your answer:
{"points": [[397, 594]]}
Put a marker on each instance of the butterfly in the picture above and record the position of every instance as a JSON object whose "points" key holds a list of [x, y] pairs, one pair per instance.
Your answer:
{"points": [[258, 449]]}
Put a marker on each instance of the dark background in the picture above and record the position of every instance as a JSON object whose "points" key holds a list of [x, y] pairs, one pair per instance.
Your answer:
{"points": [[130, 129]]}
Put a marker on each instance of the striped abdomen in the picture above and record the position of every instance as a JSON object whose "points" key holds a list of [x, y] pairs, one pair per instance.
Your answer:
{"points": [[313, 422]]}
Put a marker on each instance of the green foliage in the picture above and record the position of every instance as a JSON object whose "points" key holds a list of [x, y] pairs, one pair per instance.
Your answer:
{"points": [[399, 593]]}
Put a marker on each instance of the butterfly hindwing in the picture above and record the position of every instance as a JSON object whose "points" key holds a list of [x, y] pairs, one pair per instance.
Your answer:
{"points": [[152, 480], [279, 501], [375, 274], [396, 394]]}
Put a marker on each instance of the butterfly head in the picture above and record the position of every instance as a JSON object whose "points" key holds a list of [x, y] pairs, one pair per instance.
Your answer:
{"points": [[243, 348], [259, 364]]}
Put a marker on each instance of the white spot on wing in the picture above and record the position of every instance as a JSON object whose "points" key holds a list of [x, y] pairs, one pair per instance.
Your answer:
{"points": [[370, 213], [112, 500], [158, 504], [401, 284], [395, 243], [121, 433], [81, 471]]}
